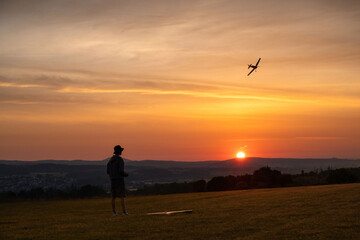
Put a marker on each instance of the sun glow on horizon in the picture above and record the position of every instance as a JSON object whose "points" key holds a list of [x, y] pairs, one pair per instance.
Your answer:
{"points": [[240, 155]]}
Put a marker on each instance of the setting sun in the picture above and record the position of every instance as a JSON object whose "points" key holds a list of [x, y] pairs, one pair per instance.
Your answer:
{"points": [[240, 155]]}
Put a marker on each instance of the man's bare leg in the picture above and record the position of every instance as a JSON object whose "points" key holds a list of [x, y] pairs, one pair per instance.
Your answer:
{"points": [[123, 205], [113, 205]]}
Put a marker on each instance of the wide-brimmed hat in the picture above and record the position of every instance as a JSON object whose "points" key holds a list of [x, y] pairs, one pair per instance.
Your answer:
{"points": [[118, 148]]}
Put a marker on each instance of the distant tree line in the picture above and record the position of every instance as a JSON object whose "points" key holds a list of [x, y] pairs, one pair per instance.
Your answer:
{"points": [[85, 191], [264, 177]]}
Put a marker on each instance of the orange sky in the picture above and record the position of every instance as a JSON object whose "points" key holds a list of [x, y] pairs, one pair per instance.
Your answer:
{"points": [[167, 79]]}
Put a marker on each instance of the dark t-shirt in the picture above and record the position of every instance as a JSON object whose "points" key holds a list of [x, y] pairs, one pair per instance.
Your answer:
{"points": [[115, 167]]}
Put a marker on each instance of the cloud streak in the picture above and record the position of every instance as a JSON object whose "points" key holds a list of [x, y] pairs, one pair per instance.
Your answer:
{"points": [[73, 86], [67, 83]]}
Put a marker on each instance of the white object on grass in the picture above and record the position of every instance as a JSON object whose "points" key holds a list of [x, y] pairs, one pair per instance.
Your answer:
{"points": [[170, 212]]}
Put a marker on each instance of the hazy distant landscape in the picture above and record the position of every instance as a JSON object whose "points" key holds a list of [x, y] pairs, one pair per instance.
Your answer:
{"points": [[62, 174]]}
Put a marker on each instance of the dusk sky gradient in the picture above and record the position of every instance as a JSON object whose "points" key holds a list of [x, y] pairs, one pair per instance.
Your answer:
{"points": [[167, 79]]}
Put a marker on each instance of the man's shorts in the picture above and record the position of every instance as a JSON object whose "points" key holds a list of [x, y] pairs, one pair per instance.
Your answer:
{"points": [[118, 187]]}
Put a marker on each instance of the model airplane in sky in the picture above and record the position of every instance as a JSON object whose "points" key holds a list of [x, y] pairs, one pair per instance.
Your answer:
{"points": [[253, 67]]}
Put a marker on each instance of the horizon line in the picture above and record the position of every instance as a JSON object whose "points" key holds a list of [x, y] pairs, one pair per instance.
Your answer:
{"points": [[252, 157]]}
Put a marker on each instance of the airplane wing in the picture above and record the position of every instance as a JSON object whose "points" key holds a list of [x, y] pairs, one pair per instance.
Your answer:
{"points": [[258, 62], [251, 71]]}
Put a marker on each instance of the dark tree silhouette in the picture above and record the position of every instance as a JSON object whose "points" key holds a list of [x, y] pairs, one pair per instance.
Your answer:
{"points": [[341, 175], [199, 186]]}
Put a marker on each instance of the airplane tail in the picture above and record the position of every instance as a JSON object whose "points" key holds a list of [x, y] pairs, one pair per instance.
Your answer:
{"points": [[249, 66]]}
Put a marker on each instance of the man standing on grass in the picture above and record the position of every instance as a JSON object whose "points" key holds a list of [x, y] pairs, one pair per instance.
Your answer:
{"points": [[115, 170]]}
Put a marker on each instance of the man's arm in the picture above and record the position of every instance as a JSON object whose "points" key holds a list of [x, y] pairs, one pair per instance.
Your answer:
{"points": [[122, 166]]}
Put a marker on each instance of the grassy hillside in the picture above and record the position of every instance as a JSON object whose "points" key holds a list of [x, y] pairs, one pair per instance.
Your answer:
{"points": [[318, 212]]}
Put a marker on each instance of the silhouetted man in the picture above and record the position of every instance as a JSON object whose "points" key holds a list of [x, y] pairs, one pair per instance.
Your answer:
{"points": [[115, 170]]}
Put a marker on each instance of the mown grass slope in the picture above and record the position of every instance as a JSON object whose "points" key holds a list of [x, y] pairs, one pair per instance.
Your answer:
{"points": [[317, 212]]}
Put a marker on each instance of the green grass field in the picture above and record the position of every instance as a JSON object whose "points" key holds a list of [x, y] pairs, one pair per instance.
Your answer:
{"points": [[317, 212]]}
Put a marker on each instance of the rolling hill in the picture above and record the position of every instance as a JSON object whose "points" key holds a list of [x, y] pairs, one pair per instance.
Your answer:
{"points": [[83, 172]]}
